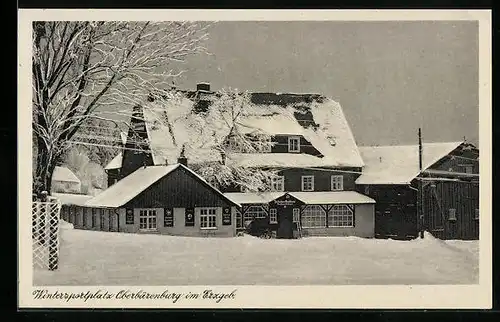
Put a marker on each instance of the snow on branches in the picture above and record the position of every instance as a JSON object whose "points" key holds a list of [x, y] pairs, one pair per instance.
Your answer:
{"points": [[210, 136], [79, 66]]}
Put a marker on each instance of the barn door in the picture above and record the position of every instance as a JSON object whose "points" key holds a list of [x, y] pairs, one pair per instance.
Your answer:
{"points": [[434, 215]]}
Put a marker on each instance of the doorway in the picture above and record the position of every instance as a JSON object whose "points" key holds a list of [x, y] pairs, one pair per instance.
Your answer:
{"points": [[285, 222]]}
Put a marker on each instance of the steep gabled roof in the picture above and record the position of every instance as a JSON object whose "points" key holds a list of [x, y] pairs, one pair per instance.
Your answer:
{"points": [[319, 119], [64, 174], [132, 185], [398, 164]]}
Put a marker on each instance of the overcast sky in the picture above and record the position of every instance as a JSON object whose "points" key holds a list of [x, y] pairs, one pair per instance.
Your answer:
{"points": [[389, 77]]}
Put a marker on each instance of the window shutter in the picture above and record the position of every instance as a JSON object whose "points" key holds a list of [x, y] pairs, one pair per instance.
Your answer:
{"points": [[168, 217], [226, 216], [189, 217]]}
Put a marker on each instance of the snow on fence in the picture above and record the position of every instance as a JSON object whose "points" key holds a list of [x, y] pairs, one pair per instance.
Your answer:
{"points": [[45, 234]]}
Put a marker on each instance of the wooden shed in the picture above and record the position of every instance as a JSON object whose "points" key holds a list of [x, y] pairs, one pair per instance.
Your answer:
{"points": [[447, 189]]}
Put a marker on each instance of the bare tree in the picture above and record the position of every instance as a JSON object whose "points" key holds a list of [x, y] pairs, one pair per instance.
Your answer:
{"points": [[79, 66], [213, 137]]}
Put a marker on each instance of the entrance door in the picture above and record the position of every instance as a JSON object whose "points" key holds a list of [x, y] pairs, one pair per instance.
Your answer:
{"points": [[285, 222]]}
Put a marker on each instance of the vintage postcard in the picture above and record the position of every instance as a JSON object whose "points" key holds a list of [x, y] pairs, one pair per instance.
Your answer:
{"points": [[254, 159]]}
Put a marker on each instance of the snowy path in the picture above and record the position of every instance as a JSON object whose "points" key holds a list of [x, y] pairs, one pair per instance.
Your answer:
{"points": [[102, 258]]}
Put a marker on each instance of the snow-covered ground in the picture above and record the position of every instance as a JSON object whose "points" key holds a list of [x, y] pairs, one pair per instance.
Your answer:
{"points": [[104, 258]]}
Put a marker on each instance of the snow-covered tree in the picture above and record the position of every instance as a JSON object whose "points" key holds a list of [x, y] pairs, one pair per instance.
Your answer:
{"points": [[210, 138], [79, 66], [91, 174]]}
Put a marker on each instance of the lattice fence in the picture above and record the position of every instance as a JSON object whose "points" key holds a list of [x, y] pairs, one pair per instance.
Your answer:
{"points": [[45, 233]]}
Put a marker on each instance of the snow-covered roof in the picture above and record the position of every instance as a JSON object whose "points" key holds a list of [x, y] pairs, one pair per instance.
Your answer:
{"points": [[129, 187], [322, 123], [332, 197], [309, 197], [280, 160], [253, 197], [71, 199], [398, 164], [273, 124], [64, 174], [132, 185], [115, 163]]}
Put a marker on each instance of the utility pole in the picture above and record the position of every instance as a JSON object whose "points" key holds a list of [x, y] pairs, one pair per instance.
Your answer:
{"points": [[420, 186]]}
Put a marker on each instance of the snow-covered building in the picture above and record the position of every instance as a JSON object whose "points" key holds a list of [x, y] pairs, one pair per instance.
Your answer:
{"points": [[447, 185], [313, 151], [65, 181], [161, 199]]}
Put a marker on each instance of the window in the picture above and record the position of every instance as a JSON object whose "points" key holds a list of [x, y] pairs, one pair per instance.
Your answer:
{"points": [[147, 219], [307, 183], [239, 222], [341, 216], [278, 183], [337, 183], [94, 218], [296, 214], [208, 218], [313, 216], [273, 216], [468, 169], [452, 214], [476, 214], [294, 144], [254, 212]]}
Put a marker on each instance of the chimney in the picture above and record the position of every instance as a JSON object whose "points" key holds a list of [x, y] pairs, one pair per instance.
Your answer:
{"points": [[203, 87], [182, 158]]}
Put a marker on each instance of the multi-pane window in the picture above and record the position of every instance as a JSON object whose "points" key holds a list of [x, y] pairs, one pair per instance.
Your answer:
{"points": [[147, 219], [273, 216], [296, 214], [340, 216], [254, 212], [239, 221], [313, 216], [307, 183], [208, 218], [278, 183], [337, 183], [294, 144]]}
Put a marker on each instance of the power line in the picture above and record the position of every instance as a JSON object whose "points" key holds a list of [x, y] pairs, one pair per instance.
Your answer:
{"points": [[109, 146]]}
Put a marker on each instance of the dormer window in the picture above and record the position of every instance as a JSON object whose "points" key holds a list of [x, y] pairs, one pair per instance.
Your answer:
{"points": [[278, 183], [293, 144]]}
